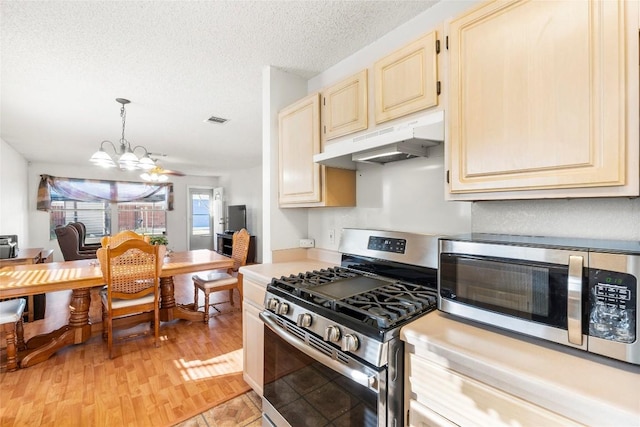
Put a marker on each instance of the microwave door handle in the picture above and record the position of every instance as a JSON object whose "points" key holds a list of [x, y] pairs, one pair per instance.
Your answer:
{"points": [[574, 300]]}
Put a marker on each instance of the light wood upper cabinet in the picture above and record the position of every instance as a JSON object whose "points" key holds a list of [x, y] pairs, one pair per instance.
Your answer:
{"points": [[303, 183], [344, 107], [406, 81], [538, 99]]}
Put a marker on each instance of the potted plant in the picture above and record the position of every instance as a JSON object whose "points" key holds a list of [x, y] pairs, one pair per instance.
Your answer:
{"points": [[159, 240]]}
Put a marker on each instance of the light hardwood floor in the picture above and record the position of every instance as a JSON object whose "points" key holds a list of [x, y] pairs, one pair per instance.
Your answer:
{"points": [[197, 367]]}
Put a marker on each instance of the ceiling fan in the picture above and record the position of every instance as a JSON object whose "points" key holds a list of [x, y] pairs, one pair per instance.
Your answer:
{"points": [[159, 173]]}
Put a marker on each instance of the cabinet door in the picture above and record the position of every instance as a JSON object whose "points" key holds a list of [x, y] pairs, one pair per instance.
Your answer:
{"points": [[537, 96], [303, 183], [421, 416], [344, 107], [464, 401], [406, 81], [299, 140], [253, 334]]}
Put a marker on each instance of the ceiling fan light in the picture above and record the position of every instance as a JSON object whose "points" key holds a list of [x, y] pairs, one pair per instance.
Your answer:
{"points": [[162, 178], [145, 176]]}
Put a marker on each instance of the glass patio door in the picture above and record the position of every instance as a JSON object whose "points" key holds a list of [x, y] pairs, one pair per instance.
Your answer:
{"points": [[201, 234]]}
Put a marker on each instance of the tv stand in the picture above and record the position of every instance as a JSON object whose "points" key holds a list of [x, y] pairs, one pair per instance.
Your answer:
{"points": [[225, 246]]}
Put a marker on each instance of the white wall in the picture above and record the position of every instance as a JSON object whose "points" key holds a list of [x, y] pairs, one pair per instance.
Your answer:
{"points": [[282, 228], [244, 187], [405, 195], [14, 178], [39, 221], [605, 218]]}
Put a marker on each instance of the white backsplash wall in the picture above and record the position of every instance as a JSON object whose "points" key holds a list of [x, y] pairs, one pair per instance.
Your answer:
{"points": [[605, 218], [407, 195]]}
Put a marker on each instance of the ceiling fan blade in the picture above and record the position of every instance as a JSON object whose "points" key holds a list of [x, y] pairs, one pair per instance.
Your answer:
{"points": [[170, 172]]}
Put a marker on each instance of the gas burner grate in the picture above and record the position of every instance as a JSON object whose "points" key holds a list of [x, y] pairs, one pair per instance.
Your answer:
{"points": [[381, 308], [295, 282], [386, 306]]}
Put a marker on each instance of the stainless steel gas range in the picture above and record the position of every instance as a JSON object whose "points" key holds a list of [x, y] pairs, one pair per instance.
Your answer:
{"points": [[332, 352]]}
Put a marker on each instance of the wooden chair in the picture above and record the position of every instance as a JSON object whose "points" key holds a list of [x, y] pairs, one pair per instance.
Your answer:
{"points": [[120, 237], [214, 281], [131, 271], [11, 324]]}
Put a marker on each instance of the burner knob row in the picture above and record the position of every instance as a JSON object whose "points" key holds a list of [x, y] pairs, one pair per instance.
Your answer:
{"points": [[304, 320], [350, 343], [272, 304], [283, 308], [332, 334]]}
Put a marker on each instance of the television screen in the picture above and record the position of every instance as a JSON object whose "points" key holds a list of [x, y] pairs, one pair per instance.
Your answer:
{"points": [[236, 218]]}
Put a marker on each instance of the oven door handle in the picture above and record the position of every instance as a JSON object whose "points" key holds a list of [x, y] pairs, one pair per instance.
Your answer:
{"points": [[362, 378]]}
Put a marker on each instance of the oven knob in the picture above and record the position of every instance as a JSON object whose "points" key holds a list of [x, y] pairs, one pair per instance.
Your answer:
{"points": [[272, 304], [350, 343], [304, 320], [283, 308], [332, 334]]}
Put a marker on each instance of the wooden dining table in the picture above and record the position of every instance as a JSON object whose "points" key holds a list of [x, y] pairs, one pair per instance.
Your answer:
{"points": [[79, 277]]}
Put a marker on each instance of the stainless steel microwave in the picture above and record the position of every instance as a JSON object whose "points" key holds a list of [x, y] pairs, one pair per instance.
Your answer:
{"points": [[582, 293]]}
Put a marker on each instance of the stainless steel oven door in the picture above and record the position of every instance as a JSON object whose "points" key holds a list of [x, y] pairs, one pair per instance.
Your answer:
{"points": [[308, 382]]}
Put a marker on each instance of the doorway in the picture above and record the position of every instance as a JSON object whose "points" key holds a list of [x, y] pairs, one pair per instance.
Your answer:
{"points": [[201, 234]]}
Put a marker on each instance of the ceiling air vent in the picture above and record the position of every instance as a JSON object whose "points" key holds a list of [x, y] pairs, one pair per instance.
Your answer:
{"points": [[218, 120]]}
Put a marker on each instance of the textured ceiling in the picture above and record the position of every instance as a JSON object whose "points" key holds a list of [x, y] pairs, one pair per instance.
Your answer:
{"points": [[63, 63]]}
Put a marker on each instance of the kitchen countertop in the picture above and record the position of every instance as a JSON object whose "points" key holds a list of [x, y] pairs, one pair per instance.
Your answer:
{"points": [[587, 388], [263, 273]]}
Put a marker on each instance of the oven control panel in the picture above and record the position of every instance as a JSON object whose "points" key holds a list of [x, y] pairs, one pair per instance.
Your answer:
{"points": [[387, 244]]}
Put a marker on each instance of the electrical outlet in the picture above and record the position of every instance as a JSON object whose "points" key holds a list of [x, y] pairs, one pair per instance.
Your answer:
{"points": [[332, 236], [307, 243]]}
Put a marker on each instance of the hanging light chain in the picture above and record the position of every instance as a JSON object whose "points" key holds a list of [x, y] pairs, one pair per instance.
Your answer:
{"points": [[123, 114]]}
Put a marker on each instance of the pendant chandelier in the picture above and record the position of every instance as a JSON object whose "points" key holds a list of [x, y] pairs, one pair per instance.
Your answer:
{"points": [[123, 156]]}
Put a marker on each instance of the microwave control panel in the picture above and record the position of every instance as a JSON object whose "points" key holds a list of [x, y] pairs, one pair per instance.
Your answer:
{"points": [[612, 306]]}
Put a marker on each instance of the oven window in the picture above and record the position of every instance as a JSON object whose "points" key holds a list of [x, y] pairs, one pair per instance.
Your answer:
{"points": [[307, 393], [529, 291]]}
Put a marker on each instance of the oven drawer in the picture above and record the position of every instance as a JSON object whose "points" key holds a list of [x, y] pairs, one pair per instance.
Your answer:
{"points": [[468, 402]]}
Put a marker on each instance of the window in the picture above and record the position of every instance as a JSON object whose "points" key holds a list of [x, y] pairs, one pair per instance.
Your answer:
{"points": [[105, 207], [143, 217], [201, 214], [96, 216]]}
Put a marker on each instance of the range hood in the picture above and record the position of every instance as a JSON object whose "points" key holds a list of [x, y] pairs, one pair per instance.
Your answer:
{"points": [[399, 142]]}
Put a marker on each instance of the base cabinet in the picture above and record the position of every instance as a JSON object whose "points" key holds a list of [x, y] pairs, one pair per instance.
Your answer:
{"points": [[253, 334], [421, 416], [440, 396]]}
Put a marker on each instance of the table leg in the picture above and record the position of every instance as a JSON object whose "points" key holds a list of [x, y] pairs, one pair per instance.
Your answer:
{"points": [[168, 308], [78, 330]]}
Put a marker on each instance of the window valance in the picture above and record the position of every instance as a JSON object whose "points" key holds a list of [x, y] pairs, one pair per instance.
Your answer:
{"points": [[92, 190]]}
